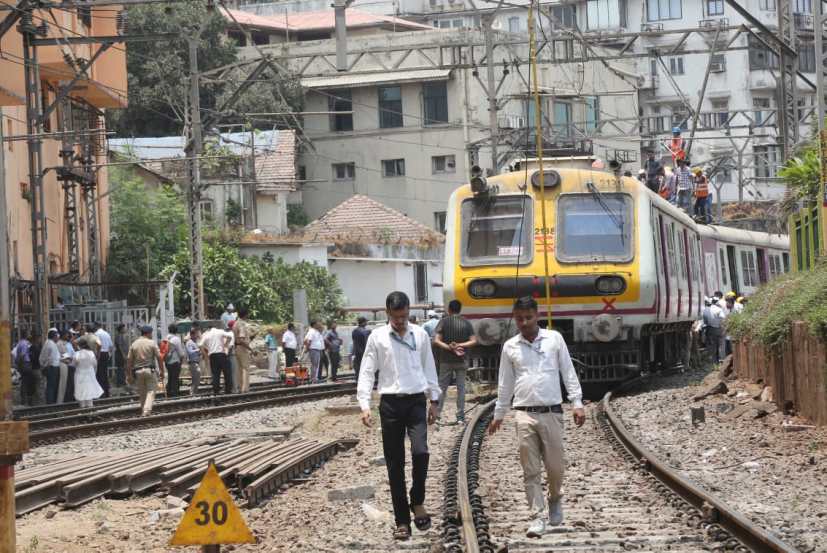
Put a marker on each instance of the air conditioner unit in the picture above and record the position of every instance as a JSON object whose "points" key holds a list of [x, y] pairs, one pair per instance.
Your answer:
{"points": [[717, 67], [651, 27]]}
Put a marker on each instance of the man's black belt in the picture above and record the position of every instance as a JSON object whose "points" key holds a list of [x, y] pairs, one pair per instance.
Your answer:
{"points": [[405, 396], [542, 409]]}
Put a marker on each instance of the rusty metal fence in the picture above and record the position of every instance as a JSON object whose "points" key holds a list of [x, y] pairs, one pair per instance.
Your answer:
{"points": [[797, 373]]}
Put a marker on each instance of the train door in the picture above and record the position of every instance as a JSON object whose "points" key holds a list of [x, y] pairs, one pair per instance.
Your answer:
{"points": [[687, 264], [660, 303], [733, 270], [665, 256], [762, 265]]}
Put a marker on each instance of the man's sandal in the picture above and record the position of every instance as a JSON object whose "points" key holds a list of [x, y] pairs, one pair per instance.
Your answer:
{"points": [[402, 532], [422, 523]]}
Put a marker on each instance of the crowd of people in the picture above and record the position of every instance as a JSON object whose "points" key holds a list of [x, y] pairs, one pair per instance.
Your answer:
{"points": [[713, 324], [686, 188]]}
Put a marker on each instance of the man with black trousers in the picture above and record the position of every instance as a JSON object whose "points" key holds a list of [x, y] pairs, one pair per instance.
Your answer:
{"points": [[401, 353], [360, 341], [215, 344]]}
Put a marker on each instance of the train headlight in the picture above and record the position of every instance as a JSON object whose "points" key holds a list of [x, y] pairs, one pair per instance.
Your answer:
{"points": [[610, 285], [482, 289]]}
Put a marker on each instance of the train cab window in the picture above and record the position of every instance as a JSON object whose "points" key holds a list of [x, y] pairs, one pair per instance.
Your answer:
{"points": [[497, 232], [592, 227]]}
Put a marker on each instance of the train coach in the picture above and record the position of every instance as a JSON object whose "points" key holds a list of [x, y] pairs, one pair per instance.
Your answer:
{"points": [[628, 271]]}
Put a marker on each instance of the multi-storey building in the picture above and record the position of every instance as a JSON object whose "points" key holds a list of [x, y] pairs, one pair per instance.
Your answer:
{"points": [[73, 152], [410, 116], [736, 135]]}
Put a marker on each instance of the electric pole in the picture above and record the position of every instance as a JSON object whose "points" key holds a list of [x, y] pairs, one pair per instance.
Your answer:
{"points": [[193, 152]]}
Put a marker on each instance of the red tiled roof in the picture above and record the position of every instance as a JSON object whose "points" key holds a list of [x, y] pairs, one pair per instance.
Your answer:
{"points": [[276, 170], [360, 219], [319, 20]]}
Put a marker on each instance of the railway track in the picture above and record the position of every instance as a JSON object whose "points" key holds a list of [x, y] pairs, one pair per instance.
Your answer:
{"points": [[617, 497], [119, 419]]}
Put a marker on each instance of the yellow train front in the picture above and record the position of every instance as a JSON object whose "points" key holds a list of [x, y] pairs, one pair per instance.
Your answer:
{"points": [[603, 245]]}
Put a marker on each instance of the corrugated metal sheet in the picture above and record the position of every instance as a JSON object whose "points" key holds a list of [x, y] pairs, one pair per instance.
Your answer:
{"points": [[386, 77]]}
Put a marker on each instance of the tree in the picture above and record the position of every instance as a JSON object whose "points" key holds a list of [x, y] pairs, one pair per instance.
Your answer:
{"points": [[265, 287], [158, 72], [802, 175], [147, 227]]}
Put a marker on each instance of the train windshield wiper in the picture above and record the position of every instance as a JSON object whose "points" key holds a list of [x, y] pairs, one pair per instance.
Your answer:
{"points": [[598, 197]]}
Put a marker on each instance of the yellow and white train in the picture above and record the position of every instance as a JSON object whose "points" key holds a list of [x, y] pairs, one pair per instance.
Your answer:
{"points": [[628, 270]]}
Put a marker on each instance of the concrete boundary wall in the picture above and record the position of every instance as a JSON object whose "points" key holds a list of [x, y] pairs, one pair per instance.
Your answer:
{"points": [[797, 374]]}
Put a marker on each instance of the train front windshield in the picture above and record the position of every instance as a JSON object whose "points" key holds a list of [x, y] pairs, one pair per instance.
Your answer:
{"points": [[594, 227], [498, 231]]}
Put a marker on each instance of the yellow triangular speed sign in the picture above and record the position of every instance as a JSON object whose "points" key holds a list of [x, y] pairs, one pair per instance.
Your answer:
{"points": [[212, 517]]}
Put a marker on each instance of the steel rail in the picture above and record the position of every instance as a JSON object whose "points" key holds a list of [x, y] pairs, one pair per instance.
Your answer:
{"points": [[64, 433], [469, 529], [713, 508], [179, 404]]}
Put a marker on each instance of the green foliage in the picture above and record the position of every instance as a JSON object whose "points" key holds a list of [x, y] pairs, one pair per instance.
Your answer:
{"points": [[232, 212], [147, 227], [296, 216], [266, 288], [770, 312], [158, 72], [802, 174]]}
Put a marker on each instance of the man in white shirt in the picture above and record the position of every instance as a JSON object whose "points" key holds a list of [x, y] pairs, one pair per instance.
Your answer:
{"points": [[215, 344], [530, 368], [50, 365], [104, 356], [290, 343], [401, 354], [715, 331], [314, 344]]}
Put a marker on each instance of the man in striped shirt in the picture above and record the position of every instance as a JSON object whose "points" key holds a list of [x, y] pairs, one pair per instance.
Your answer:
{"points": [[453, 336]]}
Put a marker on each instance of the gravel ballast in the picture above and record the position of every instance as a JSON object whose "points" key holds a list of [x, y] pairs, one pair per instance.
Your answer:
{"points": [[741, 453]]}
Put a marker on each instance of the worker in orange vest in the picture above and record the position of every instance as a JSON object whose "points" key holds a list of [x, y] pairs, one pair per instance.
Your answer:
{"points": [[701, 195]]}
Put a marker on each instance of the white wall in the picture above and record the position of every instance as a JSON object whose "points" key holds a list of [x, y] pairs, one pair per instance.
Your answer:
{"points": [[367, 283]]}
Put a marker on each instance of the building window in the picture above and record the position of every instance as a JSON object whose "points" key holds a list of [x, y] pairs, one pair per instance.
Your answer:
{"points": [[605, 14], [725, 175], [657, 120], [714, 7], [207, 211], [806, 57], [340, 100], [659, 10], [718, 63], [85, 16], [562, 119], [676, 66], [435, 99], [759, 105], [785, 257], [302, 173], [421, 281], [443, 164], [720, 112], [564, 17], [390, 107], [456, 23], [344, 171], [592, 113], [439, 221], [766, 5], [760, 57], [513, 24], [766, 161], [393, 167], [804, 6], [10, 134]]}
